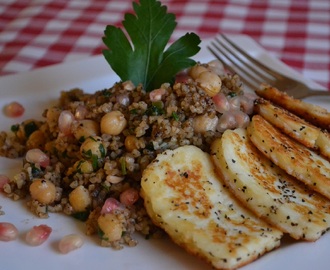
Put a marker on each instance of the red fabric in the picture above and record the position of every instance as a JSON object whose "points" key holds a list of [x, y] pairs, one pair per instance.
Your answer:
{"points": [[38, 33]]}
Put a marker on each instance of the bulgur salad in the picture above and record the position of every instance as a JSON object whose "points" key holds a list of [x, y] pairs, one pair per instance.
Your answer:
{"points": [[76, 163]]}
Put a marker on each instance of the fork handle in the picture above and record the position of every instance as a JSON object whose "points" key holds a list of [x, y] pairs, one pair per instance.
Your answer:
{"points": [[318, 92]]}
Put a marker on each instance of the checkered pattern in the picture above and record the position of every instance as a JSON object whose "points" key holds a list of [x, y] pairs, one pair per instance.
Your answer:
{"points": [[37, 33]]}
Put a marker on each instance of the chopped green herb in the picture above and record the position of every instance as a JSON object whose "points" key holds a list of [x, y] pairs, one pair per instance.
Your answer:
{"points": [[102, 150], [150, 146], [95, 162], [105, 187], [106, 93], [175, 116], [14, 128], [156, 108], [87, 154], [101, 234], [92, 138], [82, 139], [142, 59], [82, 216], [78, 170], [134, 111], [123, 165], [36, 172], [29, 128], [232, 94]]}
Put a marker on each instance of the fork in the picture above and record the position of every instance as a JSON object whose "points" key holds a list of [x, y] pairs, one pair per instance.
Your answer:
{"points": [[254, 73]]}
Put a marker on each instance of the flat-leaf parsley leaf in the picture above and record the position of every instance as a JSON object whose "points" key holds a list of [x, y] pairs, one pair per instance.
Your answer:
{"points": [[142, 59]]}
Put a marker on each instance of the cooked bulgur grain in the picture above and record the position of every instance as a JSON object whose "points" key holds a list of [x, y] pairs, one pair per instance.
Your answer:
{"points": [[88, 157]]}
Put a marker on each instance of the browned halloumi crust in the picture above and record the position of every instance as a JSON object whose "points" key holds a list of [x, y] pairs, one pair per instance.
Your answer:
{"points": [[294, 126], [294, 158], [290, 124], [184, 196], [314, 114], [267, 190], [323, 143]]}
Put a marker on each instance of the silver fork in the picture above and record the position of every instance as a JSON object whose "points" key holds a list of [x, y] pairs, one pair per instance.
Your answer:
{"points": [[253, 73]]}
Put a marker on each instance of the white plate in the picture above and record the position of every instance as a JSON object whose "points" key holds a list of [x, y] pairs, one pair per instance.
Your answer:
{"points": [[38, 89]]}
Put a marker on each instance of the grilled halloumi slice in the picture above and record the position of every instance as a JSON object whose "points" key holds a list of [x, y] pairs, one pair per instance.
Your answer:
{"points": [[314, 114], [289, 123], [294, 126], [184, 196], [267, 190], [294, 158], [323, 143]]}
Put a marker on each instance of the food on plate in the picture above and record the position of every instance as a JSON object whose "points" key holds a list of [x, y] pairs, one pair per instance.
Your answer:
{"points": [[323, 143], [37, 235], [91, 170], [13, 109], [87, 156], [70, 243], [268, 191], [288, 123], [296, 159], [294, 126], [4, 179], [8, 232], [184, 196], [312, 113], [144, 59]]}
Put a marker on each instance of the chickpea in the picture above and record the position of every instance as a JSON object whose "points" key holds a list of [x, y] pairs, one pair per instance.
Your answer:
{"points": [[36, 140], [110, 226], [83, 166], [80, 199], [93, 147], [205, 123], [216, 67], [207, 79], [196, 70], [131, 143], [42, 190], [210, 82], [85, 128], [113, 123]]}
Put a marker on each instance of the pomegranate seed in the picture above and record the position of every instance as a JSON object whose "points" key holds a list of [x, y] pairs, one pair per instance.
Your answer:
{"points": [[65, 121], [3, 180], [14, 109], [156, 95], [38, 235], [129, 196], [8, 231], [81, 112], [69, 243], [182, 77], [109, 205], [38, 157]]}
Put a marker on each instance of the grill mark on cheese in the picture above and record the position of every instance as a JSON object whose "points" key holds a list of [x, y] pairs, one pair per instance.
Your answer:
{"points": [[189, 191]]}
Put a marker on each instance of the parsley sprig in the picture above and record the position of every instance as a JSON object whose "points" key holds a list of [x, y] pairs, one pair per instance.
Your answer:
{"points": [[142, 59]]}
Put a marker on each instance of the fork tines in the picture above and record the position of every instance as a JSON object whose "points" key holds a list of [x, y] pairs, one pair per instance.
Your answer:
{"points": [[237, 61]]}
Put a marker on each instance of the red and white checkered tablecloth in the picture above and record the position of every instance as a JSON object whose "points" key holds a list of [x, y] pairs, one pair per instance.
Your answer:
{"points": [[38, 33]]}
